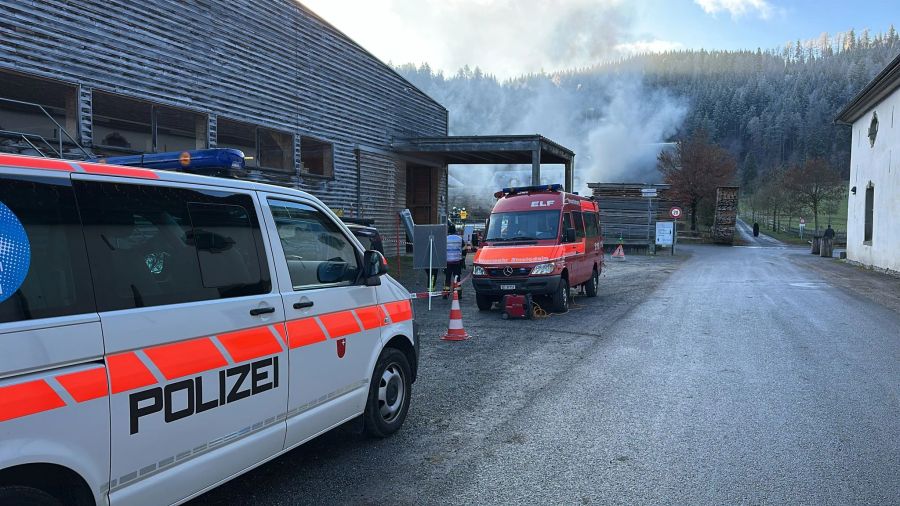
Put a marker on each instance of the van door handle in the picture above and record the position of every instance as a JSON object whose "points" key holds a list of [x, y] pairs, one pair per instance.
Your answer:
{"points": [[261, 310], [303, 305]]}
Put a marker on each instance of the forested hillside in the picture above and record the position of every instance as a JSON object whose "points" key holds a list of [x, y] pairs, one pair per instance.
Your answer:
{"points": [[768, 108]]}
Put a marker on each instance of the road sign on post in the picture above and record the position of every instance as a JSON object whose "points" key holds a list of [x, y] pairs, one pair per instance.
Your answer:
{"points": [[649, 194], [675, 213]]}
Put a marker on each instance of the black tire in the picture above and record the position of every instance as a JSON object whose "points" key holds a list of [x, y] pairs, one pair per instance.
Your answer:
{"points": [[560, 298], [15, 495], [484, 302], [392, 375], [591, 285]]}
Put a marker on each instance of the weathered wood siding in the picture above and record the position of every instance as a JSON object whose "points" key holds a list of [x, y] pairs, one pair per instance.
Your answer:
{"points": [[268, 62]]}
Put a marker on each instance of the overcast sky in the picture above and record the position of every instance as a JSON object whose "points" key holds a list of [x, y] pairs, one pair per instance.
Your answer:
{"points": [[510, 37]]}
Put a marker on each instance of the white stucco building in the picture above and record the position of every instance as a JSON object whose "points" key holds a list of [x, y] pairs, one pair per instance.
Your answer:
{"points": [[873, 215]]}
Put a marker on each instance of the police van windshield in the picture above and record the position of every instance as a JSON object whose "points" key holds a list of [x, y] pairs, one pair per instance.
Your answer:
{"points": [[523, 226]]}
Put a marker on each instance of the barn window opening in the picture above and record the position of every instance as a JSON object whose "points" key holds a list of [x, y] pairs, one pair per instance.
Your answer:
{"points": [[264, 147], [126, 125], [122, 125], [237, 135], [316, 157], [870, 206], [276, 150], [18, 118], [179, 130]]}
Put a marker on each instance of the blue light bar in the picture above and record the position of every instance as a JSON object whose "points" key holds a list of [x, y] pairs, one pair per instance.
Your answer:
{"points": [[536, 188], [221, 162]]}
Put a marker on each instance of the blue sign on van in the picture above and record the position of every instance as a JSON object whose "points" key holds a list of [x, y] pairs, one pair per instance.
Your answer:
{"points": [[15, 253]]}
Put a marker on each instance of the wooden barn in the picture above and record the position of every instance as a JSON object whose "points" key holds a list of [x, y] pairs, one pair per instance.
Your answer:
{"points": [[313, 109]]}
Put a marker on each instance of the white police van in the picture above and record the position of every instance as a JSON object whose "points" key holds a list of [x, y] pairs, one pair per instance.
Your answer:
{"points": [[162, 332]]}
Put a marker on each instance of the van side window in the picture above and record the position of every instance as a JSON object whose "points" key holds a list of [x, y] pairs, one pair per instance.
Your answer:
{"points": [[51, 255], [155, 245], [316, 250], [591, 225], [579, 224]]}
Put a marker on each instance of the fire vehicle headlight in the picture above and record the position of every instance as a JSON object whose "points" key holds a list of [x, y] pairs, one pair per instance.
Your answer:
{"points": [[546, 268], [478, 271]]}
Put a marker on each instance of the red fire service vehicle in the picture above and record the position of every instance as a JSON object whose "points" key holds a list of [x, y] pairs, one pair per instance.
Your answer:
{"points": [[539, 240]]}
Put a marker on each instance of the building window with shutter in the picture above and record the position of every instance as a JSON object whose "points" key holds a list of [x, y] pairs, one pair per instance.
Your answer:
{"points": [[316, 157], [870, 206]]}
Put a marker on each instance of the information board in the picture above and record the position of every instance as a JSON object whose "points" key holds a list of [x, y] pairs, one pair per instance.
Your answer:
{"points": [[665, 231], [422, 235]]}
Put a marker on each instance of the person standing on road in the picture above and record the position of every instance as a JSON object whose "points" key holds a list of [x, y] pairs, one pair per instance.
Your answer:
{"points": [[756, 230], [454, 258]]}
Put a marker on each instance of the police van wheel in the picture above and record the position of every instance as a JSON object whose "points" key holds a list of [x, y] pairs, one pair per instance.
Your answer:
{"points": [[484, 302], [389, 394], [26, 496], [590, 287], [561, 297]]}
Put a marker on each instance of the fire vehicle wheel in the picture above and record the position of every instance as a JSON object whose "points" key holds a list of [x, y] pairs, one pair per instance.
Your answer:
{"points": [[561, 297], [26, 496], [484, 302], [389, 394], [590, 287]]}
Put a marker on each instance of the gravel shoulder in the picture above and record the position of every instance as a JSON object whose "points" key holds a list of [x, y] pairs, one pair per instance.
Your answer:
{"points": [[465, 403]]}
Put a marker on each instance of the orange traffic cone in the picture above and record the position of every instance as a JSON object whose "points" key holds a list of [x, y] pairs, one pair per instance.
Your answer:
{"points": [[619, 253], [455, 331]]}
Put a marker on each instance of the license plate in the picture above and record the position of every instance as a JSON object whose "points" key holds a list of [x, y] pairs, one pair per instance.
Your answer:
{"points": [[507, 287]]}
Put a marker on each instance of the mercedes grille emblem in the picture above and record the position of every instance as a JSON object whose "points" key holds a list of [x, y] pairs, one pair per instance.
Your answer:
{"points": [[507, 271]]}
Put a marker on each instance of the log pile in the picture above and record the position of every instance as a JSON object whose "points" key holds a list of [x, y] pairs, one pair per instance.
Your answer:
{"points": [[623, 211], [726, 214]]}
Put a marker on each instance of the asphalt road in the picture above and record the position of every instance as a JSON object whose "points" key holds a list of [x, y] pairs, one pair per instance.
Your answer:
{"points": [[722, 375], [745, 232]]}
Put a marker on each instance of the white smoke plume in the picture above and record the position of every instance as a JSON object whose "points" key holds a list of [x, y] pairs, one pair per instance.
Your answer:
{"points": [[610, 119], [613, 123]]}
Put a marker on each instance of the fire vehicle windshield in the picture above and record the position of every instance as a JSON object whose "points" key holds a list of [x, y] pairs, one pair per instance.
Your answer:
{"points": [[523, 226]]}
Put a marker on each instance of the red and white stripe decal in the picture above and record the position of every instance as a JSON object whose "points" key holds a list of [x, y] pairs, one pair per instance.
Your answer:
{"points": [[339, 324], [371, 317], [399, 311], [127, 371], [85, 385], [249, 344], [186, 358], [30, 162], [304, 332], [117, 170], [27, 398]]}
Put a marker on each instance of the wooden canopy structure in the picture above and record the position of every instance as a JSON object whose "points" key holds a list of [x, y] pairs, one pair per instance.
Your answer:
{"points": [[492, 149]]}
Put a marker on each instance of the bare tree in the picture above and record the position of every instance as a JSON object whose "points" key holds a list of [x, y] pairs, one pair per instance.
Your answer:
{"points": [[813, 184], [695, 169]]}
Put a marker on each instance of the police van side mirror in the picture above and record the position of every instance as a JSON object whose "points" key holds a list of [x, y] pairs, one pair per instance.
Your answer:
{"points": [[374, 266], [569, 235]]}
